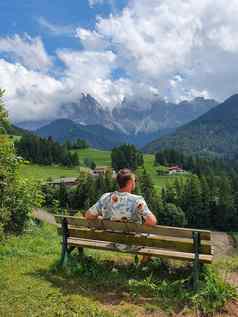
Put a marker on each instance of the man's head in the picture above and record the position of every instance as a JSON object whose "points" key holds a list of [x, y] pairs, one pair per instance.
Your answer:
{"points": [[126, 180]]}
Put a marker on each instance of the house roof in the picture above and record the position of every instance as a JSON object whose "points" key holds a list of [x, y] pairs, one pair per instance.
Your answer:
{"points": [[102, 167], [64, 180]]}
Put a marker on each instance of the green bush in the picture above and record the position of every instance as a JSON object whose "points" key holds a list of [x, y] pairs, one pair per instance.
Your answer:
{"points": [[17, 195], [171, 215], [89, 163], [214, 293]]}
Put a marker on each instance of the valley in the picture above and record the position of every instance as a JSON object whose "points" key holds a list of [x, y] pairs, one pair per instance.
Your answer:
{"points": [[101, 158]]}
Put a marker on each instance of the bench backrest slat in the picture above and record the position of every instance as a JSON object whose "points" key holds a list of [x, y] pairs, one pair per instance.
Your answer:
{"points": [[133, 227], [157, 241]]}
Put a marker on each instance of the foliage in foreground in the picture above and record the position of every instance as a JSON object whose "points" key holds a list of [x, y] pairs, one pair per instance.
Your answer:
{"points": [[167, 287], [17, 196]]}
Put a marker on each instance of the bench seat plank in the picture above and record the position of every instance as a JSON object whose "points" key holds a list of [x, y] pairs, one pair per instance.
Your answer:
{"points": [[103, 245], [133, 227], [157, 241]]}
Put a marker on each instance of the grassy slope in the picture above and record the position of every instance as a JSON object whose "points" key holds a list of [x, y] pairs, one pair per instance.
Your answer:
{"points": [[29, 288], [43, 172], [107, 285], [100, 158], [31, 284]]}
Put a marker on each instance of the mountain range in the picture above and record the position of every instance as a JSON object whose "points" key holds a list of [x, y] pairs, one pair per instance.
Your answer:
{"points": [[137, 121], [132, 116], [214, 133]]}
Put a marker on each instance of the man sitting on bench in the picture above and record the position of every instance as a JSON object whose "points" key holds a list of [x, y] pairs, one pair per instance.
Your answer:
{"points": [[122, 205]]}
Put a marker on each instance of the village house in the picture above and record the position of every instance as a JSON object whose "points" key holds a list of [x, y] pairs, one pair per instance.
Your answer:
{"points": [[175, 170], [102, 170], [67, 181]]}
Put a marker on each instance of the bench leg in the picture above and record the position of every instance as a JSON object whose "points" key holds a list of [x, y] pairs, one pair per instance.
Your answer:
{"points": [[65, 251], [80, 251], [136, 260], [196, 265], [64, 255], [195, 275]]}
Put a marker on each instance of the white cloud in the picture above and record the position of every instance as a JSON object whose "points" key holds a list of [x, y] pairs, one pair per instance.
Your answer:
{"points": [[26, 50], [56, 29], [90, 72], [155, 40], [178, 49], [30, 95], [90, 40], [92, 3]]}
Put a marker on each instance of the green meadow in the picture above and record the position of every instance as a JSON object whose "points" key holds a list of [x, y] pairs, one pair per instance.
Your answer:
{"points": [[41, 172], [100, 158]]}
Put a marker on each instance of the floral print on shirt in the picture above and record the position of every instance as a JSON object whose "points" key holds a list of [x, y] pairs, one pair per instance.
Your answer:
{"points": [[121, 206]]}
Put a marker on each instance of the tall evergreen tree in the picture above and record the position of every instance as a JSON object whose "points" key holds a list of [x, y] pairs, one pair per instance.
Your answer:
{"points": [[192, 202], [126, 156], [63, 196], [225, 216], [148, 191]]}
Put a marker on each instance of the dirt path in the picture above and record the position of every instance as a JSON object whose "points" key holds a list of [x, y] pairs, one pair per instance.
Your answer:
{"points": [[43, 215], [223, 244]]}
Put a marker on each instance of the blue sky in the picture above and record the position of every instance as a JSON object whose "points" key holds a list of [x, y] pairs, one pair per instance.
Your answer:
{"points": [[23, 16], [53, 51]]}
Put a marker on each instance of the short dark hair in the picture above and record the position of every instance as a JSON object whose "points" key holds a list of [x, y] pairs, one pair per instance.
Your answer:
{"points": [[123, 176]]}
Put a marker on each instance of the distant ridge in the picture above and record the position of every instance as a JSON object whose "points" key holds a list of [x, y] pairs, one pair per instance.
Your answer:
{"points": [[13, 130], [215, 133], [96, 135]]}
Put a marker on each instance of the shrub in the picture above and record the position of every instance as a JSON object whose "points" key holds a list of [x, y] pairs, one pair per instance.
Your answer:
{"points": [[89, 163], [214, 293], [17, 195], [171, 215]]}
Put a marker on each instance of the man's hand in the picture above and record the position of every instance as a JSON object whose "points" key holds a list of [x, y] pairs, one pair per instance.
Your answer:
{"points": [[90, 216], [150, 220]]}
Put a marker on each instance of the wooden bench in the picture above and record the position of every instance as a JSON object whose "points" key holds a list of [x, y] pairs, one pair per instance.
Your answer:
{"points": [[158, 241]]}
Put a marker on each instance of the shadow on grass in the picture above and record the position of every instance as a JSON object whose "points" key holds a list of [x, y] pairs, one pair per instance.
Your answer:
{"points": [[111, 282]]}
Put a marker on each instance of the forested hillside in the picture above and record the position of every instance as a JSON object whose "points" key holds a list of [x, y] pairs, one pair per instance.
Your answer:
{"points": [[97, 136], [214, 133], [45, 151]]}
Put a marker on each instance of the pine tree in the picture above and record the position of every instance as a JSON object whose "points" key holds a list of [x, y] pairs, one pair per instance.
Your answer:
{"points": [[207, 203], [178, 185], [225, 216], [126, 156], [90, 190], [63, 196], [100, 186], [108, 182], [148, 191], [192, 202]]}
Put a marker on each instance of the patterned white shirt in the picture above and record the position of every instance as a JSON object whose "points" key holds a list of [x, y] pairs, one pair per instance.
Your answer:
{"points": [[120, 206]]}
